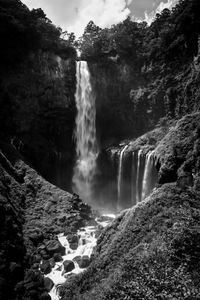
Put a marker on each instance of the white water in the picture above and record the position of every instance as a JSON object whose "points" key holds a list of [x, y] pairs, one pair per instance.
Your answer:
{"points": [[86, 142], [149, 164], [87, 241], [120, 174], [133, 180], [138, 176]]}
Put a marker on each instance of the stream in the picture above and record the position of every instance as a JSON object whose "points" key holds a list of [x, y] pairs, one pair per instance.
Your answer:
{"points": [[77, 259]]}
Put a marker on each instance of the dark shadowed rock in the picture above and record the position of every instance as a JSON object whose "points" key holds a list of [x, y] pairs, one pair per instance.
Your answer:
{"points": [[68, 265], [73, 240], [84, 262], [48, 283], [45, 267], [77, 259], [57, 257], [55, 247], [45, 296]]}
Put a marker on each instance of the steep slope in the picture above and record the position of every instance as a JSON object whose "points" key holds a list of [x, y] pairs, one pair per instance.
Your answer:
{"points": [[151, 251], [33, 212]]}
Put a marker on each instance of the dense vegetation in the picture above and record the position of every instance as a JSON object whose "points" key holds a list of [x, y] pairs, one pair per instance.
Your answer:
{"points": [[24, 31], [151, 251], [171, 33], [144, 72]]}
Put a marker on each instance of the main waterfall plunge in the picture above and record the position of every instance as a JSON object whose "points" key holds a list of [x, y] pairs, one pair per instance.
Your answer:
{"points": [[124, 178], [85, 134]]}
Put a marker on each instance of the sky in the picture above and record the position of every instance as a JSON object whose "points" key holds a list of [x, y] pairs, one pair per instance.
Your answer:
{"points": [[74, 15]]}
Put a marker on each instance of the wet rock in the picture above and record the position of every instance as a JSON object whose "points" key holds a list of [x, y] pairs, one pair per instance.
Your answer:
{"points": [[68, 266], [73, 240], [74, 246], [48, 283], [59, 268], [77, 259], [84, 262], [45, 296], [83, 241], [52, 262], [45, 267], [57, 257], [55, 247]]}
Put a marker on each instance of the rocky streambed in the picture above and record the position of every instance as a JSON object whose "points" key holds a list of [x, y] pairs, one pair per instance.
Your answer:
{"points": [[77, 250]]}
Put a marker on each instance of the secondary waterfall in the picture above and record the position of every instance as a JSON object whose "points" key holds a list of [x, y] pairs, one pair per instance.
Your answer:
{"points": [[85, 133], [148, 175], [139, 176], [120, 175]]}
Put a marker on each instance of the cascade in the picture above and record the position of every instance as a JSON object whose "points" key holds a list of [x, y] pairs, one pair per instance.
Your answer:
{"points": [[133, 179], [120, 175], [86, 244], [139, 176], [150, 176], [85, 133]]}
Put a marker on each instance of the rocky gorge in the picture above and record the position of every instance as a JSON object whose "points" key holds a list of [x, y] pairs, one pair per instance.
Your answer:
{"points": [[121, 123]]}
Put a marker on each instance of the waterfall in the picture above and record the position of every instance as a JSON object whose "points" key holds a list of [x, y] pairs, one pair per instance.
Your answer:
{"points": [[148, 179], [85, 133], [133, 179], [138, 177], [120, 174]]}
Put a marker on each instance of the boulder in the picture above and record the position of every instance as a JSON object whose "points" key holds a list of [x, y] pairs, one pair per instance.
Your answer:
{"points": [[54, 246], [45, 296], [84, 262], [73, 240], [45, 267], [57, 257], [68, 266], [52, 262], [48, 283], [77, 259]]}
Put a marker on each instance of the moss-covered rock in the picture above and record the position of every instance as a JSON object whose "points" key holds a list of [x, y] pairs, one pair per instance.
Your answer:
{"points": [[148, 252]]}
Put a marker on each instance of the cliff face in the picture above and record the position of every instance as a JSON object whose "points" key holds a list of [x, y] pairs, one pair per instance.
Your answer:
{"points": [[131, 100], [112, 80], [38, 111]]}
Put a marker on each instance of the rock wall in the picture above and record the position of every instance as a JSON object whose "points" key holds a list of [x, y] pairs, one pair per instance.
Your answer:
{"points": [[112, 80], [38, 112]]}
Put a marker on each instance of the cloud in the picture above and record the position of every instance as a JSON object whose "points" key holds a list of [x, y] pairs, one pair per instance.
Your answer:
{"points": [[74, 15], [149, 17]]}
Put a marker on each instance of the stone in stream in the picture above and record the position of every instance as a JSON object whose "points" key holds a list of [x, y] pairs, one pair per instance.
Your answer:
{"points": [[45, 296], [73, 240], [55, 247], [77, 259], [48, 283], [45, 267], [52, 262], [57, 257], [68, 266], [84, 262]]}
